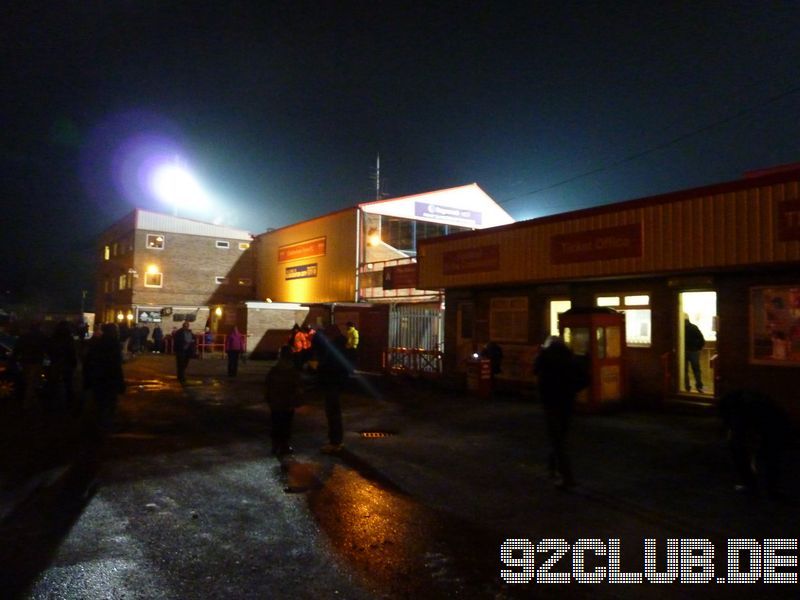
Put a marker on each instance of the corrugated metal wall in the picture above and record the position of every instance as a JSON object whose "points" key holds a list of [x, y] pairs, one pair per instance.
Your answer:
{"points": [[335, 270], [726, 229]]}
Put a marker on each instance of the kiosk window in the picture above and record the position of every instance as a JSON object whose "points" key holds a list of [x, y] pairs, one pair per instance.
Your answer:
{"points": [[638, 330]]}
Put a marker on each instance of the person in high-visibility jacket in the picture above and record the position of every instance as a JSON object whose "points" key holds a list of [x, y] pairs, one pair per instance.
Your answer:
{"points": [[351, 346]]}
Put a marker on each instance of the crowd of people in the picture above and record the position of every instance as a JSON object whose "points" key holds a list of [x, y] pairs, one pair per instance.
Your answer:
{"points": [[48, 364]]}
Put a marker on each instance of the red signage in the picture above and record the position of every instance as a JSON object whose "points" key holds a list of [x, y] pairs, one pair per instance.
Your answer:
{"points": [[473, 260], [400, 277], [624, 241], [307, 249], [788, 215]]}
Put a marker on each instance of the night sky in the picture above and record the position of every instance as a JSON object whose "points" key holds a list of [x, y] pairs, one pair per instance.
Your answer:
{"points": [[280, 108]]}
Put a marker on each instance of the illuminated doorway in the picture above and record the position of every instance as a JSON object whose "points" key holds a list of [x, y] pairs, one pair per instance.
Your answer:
{"points": [[700, 308], [556, 308]]}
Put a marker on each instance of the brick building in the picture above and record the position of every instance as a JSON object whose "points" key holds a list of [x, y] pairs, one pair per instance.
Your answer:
{"points": [[154, 266]]}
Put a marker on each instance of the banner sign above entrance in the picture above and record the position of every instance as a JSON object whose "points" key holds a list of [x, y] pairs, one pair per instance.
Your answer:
{"points": [[306, 249], [624, 241], [443, 214], [473, 260]]}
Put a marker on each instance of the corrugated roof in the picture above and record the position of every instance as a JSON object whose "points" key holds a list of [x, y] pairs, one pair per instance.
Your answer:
{"points": [[171, 224]]}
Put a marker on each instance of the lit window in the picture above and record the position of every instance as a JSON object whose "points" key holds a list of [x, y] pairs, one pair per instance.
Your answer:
{"points": [[221, 280], [223, 244], [152, 280], [642, 300], [245, 281], [638, 321], [107, 252], [123, 282], [155, 241], [244, 245], [611, 301]]}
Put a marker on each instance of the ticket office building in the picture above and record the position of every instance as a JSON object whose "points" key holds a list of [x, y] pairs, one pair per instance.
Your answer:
{"points": [[726, 256]]}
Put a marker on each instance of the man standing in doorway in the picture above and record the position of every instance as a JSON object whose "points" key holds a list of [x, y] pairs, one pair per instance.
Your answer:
{"points": [[693, 343]]}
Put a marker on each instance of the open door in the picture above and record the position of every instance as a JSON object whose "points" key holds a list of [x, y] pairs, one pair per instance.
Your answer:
{"points": [[697, 354]]}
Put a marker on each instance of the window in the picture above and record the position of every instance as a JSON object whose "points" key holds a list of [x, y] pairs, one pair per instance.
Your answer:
{"points": [[152, 280], [123, 282], [155, 241], [223, 244], [245, 281], [508, 319], [638, 326], [220, 280], [106, 252], [115, 249], [244, 245]]}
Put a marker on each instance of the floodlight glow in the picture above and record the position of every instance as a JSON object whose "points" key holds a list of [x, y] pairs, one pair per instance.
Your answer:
{"points": [[176, 186]]}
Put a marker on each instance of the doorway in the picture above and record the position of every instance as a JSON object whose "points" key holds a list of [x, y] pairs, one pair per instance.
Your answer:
{"points": [[697, 355]]}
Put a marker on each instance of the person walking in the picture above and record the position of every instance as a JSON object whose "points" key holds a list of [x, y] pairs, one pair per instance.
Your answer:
{"points": [[283, 393], [559, 379], [234, 346], [693, 341], [103, 376], [183, 344], [351, 345], [332, 373]]}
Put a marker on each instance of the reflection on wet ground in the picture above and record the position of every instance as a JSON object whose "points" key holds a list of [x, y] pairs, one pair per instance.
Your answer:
{"points": [[397, 544]]}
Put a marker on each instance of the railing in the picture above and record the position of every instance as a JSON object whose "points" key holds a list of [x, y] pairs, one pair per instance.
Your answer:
{"points": [[217, 344], [412, 361]]}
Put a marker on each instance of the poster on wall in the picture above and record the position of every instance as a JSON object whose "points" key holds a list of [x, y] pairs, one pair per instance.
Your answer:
{"points": [[775, 325]]}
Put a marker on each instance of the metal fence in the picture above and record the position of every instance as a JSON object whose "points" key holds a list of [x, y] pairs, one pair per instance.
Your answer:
{"points": [[416, 340]]}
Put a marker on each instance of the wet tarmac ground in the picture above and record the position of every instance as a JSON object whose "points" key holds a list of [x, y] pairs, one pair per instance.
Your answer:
{"points": [[185, 501]]}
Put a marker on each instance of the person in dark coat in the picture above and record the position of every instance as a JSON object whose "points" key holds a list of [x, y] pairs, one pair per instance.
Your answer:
{"points": [[693, 343], [558, 380], [283, 393], [102, 374], [158, 340], [332, 374], [494, 353], [63, 361], [183, 345], [757, 438]]}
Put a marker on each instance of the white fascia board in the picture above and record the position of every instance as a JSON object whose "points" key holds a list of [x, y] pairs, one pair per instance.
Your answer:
{"points": [[466, 206]]}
